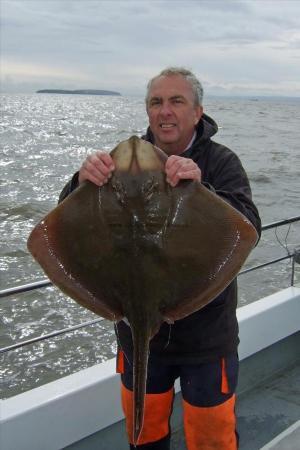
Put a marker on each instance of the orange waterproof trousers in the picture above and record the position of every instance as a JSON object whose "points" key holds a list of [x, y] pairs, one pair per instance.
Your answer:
{"points": [[208, 404]]}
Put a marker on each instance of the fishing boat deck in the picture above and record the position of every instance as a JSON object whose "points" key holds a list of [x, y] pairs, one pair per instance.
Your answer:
{"points": [[84, 408], [269, 409], [268, 406], [269, 412], [287, 440]]}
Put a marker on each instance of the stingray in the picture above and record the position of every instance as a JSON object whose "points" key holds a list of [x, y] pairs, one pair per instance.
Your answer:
{"points": [[140, 249]]}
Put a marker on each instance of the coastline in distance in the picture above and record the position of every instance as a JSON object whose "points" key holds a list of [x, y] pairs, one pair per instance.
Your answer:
{"points": [[78, 91]]}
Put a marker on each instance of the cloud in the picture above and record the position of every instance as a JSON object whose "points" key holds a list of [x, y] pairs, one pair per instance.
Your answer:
{"points": [[120, 44]]}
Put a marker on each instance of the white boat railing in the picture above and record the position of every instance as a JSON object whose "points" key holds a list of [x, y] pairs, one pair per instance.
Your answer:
{"points": [[294, 256]]}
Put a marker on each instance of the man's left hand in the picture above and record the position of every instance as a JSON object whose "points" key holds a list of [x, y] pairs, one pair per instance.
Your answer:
{"points": [[179, 168]]}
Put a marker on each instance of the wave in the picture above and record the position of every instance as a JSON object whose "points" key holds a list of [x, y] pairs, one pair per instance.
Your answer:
{"points": [[26, 210], [260, 178], [15, 254]]}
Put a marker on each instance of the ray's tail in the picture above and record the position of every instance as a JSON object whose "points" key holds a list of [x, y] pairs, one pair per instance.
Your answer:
{"points": [[141, 339]]}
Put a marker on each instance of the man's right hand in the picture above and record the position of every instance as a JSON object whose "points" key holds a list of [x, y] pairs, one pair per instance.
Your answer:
{"points": [[97, 168]]}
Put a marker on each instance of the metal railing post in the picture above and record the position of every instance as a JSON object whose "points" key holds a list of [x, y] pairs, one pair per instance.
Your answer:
{"points": [[296, 260]]}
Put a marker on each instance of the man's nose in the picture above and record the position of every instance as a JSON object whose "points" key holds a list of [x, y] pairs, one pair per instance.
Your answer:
{"points": [[165, 109]]}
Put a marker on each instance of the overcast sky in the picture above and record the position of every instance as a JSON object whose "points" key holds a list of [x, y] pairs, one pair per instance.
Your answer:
{"points": [[235, 47]]}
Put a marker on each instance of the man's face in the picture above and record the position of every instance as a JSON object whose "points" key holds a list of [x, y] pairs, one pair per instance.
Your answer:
{"points": [[172, 113]]}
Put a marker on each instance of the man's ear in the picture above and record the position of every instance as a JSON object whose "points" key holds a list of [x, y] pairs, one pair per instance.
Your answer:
{"points": [[198, 113]]}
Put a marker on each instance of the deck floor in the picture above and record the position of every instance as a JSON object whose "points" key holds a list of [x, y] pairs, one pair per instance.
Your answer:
{"points": [[287, 440], [269, 409], [265, 411]]}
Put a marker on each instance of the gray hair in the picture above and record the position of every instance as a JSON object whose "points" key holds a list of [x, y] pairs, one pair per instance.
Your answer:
{"points": [[187, 75]]}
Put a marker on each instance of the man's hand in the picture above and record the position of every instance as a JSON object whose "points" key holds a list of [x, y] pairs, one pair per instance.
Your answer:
{"points": [[97, 168], [180, 168]]}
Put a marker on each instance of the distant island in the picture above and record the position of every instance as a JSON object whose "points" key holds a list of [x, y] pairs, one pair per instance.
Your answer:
{"points": [[78, 91]]}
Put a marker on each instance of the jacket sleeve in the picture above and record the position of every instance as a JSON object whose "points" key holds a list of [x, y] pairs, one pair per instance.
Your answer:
{"points": [[69, 187], [229, 180]]}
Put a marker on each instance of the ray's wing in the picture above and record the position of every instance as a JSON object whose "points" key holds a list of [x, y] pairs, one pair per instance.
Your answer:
{"points": [[83, 244], [72, 245], [206, 242]]}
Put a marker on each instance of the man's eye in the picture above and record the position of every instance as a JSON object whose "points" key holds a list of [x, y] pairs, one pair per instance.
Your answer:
{"points": [[154, 102], [177, 100]]}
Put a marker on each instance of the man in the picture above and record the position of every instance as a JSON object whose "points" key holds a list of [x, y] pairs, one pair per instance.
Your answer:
{"points": [[200, 349]]}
